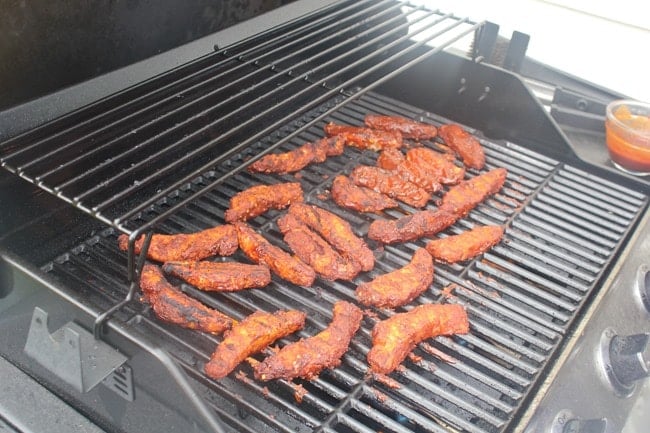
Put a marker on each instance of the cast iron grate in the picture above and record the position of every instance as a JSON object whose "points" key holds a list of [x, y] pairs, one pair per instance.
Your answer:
{"points": [[564, 227]]}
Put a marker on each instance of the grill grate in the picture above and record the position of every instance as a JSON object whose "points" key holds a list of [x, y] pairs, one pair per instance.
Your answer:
{"points": [[564, 228], [122, 155]]}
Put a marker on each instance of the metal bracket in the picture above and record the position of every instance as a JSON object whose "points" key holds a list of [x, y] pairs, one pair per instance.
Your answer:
{"points": [[71, 352]]}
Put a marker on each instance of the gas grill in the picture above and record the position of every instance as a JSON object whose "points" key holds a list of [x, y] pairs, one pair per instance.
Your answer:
{"points": [[569, 281]]}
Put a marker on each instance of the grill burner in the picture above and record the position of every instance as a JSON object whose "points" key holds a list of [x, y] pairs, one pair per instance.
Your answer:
{"points": [[564, 226], [168, 154]]}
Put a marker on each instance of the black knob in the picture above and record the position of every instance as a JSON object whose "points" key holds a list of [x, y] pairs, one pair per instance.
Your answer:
{"points": [[577, 425], [630, 358]]}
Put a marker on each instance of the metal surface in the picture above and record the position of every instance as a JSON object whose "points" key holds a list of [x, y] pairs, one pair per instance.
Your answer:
{"points": [[71, 352], [617, 311], [564, 228], [122, 155], [169, 153]]}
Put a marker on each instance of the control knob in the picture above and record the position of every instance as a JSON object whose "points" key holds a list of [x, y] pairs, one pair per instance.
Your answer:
{"points": [[629, 358]]}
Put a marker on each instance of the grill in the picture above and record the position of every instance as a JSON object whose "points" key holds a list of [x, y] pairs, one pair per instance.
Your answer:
{"points": [[166, 156]]}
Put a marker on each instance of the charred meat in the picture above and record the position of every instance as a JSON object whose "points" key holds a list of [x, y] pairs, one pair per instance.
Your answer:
{"points": [[394, 338], [284, 265], [337, 232], [365, 138], [411, 227], [217, 241], [308, 357], [439, 167], [297, 159], [390, 183], [315, 251], [401, 286], [407, 127], [464, 145], [415, 172], [220, 276], [173, 306], [250, 336], [258, 199], [465, 245], [361, 199], [465, 196]]}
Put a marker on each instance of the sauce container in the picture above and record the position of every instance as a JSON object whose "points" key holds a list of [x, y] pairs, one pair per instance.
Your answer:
{"points": [[627, 128]]}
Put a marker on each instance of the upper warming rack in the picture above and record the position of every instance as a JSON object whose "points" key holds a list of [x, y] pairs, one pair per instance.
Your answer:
{"points": [[118, 157]]}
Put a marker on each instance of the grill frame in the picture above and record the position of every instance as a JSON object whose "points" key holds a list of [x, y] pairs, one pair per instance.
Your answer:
{"points": [[350, 395], [363, 392]]}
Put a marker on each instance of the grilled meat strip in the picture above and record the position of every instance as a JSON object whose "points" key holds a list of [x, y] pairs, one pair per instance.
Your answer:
{"points": [[250, 336], [464, 145], [465, 245], [415, 172], [465, 196], [173, 306], [220, 276], [350, 196], [458, 201], [297, 159], [411, 227], [401, 286], [315, 251], [220, 240], [284, 265], [337, 232], [258, 199], [438, 166], [308, 357], [365, 138], [394, 338], [407, 127], [391, 184]]}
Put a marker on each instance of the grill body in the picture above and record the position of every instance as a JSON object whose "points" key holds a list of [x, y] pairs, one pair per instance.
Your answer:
{"points": [[179, 149]]}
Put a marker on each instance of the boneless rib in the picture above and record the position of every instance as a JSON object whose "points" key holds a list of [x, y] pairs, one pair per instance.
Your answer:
{"points": [[173, 306], [394, 338], [308, 357], [250, 336]]}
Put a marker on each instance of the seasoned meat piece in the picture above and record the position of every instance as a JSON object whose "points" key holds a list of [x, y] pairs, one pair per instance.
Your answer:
{"points": [[390, 159], [415, 172], [251, 335], [389, 183], [350, 196], [411, 227], [407, 127], [315, 251], [439, 167], [464, 144], [401, 286], [284, 265], [337, 232], [365, 138], [297, 159], [465, 245], [258, 199], [220, 276], [216, 241], [308, 357], [463, 197], [173, 306], [394, 338]]}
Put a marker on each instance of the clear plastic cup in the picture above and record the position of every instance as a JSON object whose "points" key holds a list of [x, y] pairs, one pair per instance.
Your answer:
{"points": [[627, 129]]}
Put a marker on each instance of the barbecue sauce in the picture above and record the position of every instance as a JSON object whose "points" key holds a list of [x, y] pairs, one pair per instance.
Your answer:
{"points": [[629, 150]]}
